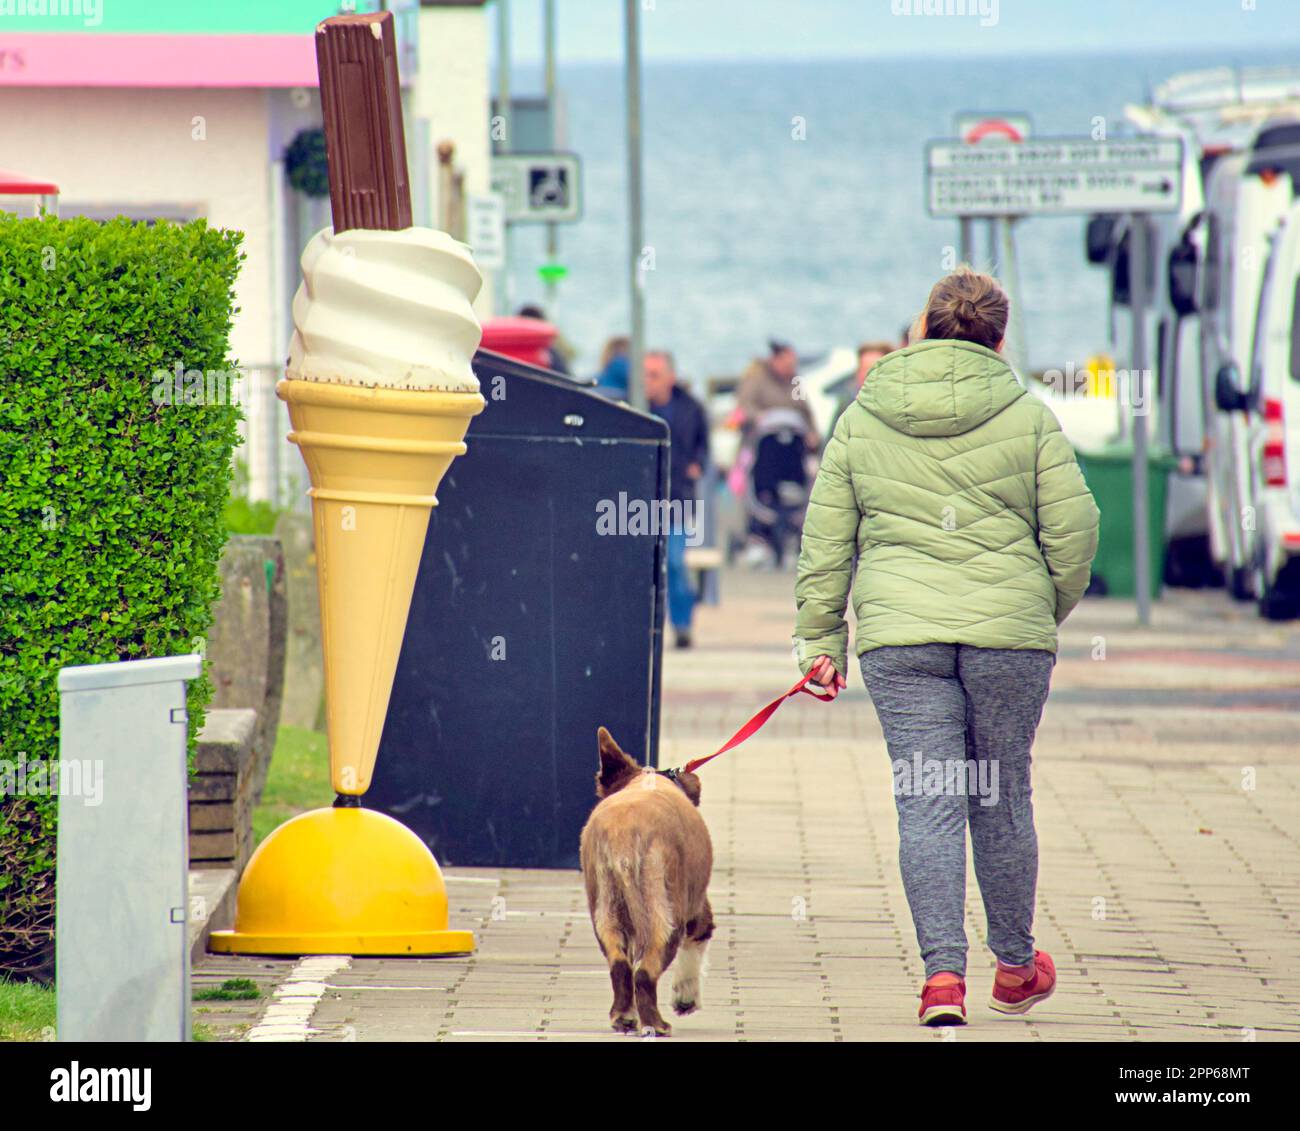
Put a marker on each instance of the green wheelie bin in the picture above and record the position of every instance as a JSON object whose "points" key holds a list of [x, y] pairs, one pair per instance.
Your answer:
{"points": [[1109, 473]]}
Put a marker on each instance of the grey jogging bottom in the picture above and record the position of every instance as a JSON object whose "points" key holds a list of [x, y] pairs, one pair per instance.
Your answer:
{"points": [[959, 723]]}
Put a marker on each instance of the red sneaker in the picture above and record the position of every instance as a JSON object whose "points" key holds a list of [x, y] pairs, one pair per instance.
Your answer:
{"points": [[1023, 995], [943, 1000]]}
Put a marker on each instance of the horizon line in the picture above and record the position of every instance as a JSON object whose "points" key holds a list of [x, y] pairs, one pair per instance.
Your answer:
{"points": [[909, 55]]}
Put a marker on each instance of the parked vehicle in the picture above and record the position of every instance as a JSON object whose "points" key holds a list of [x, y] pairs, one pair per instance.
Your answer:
{"points": [[1177, 410], [1266, 405], [1217, 113], [1239, 222], [1248, 195]]}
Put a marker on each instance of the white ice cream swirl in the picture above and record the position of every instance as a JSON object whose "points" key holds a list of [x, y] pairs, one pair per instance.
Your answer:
{"points": [[386, 309]]}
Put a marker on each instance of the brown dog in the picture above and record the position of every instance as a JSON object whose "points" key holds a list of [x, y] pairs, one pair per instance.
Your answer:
{"points": [[646, 859]]}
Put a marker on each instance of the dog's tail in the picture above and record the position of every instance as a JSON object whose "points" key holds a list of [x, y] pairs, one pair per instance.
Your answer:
{"points": [[638, 882]]}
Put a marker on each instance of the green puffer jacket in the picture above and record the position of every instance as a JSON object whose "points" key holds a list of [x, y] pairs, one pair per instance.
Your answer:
{"points": [[961, 500]]}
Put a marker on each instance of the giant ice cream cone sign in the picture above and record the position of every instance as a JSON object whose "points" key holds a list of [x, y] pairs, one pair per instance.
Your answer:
{"points": [[380, 393]]}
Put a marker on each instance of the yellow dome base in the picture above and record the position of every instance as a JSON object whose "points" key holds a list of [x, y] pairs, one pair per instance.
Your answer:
{"points": [[342, 881]]}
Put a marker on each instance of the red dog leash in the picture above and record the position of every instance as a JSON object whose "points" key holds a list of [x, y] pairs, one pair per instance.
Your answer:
{"points": [[757, 723]]}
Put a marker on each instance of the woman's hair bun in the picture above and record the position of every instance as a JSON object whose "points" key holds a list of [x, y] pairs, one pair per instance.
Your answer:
{"points": [[968, 306]]}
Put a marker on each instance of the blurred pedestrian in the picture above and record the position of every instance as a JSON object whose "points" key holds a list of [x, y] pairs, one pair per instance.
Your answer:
{"points": [[868, 354], [611, 381], [773, 383], [772, 406], [688, 429], [557, 359]]}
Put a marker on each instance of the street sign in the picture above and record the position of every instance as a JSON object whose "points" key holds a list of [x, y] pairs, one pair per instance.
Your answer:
{"points": [[485, 229], [975, 128], [539, 187], [1054, 177], [536, 126]]}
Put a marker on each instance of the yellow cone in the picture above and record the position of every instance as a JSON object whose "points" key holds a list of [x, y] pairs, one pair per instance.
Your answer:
{"points": [[375, 458], [351, 880]]}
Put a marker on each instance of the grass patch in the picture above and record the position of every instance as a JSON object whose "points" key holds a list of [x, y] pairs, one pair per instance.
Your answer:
{"points": [[232, 989], [298, 780], [27, 1011]]}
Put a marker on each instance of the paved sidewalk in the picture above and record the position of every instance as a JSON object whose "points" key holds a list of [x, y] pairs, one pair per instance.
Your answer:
{"points": [[1167, 796]]}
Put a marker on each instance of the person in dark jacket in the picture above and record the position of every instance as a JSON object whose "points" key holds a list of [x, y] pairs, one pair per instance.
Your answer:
{"points": [[555, 355], [688, 428], [868, 354]]}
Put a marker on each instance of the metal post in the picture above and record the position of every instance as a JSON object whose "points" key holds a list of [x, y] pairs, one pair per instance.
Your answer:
{"points": [[1138, 253], [635, 388], [552, 230], [503, 109], [967, 238], [1017, 349], [269, 437]]}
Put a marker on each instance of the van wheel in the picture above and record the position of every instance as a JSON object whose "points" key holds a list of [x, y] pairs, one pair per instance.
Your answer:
{"points": [[1240, 583], [1279, 606], [1280, 599], [1188, 563]]}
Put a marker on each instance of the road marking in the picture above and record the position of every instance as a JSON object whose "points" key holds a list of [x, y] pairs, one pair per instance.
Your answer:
{"points": [[288, 1017]]}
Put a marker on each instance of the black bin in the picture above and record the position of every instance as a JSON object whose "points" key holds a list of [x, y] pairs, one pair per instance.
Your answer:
{"points": [[529, 628]]}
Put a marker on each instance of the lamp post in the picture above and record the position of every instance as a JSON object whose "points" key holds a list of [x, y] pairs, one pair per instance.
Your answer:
{"points": [[632, 38]]}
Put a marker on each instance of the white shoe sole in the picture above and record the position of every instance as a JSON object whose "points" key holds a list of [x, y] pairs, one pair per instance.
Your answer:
{"points": [[1020, 1006], [943, 1015]]}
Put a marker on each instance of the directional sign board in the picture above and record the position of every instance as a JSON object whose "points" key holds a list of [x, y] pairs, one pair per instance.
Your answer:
{"points": [[1054, 177], [539, 187], [485, 229]]}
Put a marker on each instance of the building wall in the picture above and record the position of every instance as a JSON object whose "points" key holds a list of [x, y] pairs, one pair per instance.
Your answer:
{"points": [[142, 153], [142, 149], [451, 93]]}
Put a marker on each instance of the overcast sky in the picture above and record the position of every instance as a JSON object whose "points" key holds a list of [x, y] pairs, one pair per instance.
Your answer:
{"points": [[592, 30]]}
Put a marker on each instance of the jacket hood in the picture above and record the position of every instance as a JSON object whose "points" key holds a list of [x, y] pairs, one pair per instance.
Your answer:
{"points": [[939, 388]]}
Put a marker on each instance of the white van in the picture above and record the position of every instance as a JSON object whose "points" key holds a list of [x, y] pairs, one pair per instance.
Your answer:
{"points": [[1216, 113], [1247, 195], [1266, 406]]}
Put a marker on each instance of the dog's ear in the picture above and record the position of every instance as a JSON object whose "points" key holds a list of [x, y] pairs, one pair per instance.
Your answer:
{"points": [[690, 786], [616, 768]]}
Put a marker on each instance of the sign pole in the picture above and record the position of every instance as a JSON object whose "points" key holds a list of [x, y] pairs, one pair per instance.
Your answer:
{"points": [[1138, 254], [635, 388], [503, 109], [552, 231], [967, 239], [1017, 349]]}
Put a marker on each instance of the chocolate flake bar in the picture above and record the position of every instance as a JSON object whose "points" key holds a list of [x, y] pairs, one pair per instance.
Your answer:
{"points": [[361, 101]]}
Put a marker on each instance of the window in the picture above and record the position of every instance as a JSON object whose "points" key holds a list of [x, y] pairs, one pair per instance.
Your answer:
{"points": [[1213, 264], [150, 213]]}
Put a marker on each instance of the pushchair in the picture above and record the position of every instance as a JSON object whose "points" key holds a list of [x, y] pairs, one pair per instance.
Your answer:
{"points": [[777, 489]]}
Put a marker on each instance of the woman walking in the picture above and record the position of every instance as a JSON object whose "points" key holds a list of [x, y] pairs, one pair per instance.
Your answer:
{"points": [[956, 495]]}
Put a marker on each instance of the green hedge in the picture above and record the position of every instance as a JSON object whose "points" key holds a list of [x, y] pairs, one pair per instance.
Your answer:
{"points": [[112, 488]]}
